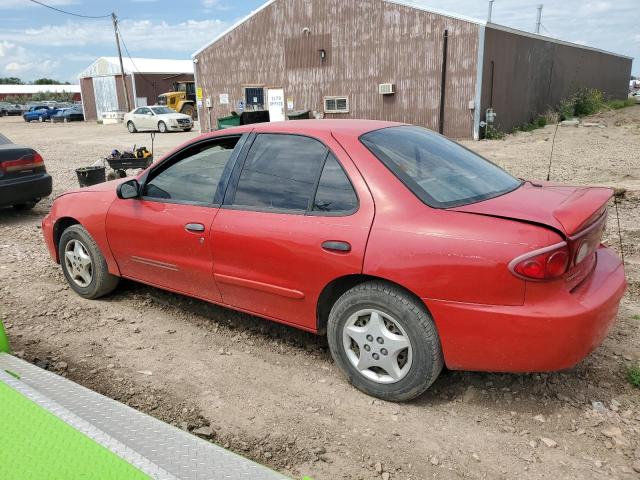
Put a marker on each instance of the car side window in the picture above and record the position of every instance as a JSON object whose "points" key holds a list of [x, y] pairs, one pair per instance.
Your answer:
{"points": [[280, 173], [335, 193], [144, 111], [195, 177]]}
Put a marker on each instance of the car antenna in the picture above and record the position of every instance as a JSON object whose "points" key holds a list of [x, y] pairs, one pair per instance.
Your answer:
{"points": [[619, 192], [553, 144]]}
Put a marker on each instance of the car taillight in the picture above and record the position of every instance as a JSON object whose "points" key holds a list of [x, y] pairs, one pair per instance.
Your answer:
{"points": [[544, 264], [26, 162]]}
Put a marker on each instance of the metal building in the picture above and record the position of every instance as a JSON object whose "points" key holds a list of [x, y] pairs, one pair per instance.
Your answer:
{"points": [[393, 60], [102, 89]]}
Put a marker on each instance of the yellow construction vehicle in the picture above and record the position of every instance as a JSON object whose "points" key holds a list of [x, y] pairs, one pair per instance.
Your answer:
{"points": [[182, 99]]}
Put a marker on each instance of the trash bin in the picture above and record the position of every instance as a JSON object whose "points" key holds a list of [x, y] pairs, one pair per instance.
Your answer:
{"points": [[228, 122], [301, 115], [88, 176]]}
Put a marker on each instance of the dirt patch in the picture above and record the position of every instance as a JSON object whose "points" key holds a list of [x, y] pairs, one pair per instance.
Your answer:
{"points": [[273, 394]]}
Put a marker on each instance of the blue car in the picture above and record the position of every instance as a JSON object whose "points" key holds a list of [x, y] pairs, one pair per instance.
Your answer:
{"points": [[40, 113]]}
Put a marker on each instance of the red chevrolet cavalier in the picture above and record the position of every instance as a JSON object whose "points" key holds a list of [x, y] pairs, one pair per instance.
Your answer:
{"points": [[408, 250]]}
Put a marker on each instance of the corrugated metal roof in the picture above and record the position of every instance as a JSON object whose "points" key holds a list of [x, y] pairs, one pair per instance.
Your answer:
{"points": [[31, 89], [111, 66]]}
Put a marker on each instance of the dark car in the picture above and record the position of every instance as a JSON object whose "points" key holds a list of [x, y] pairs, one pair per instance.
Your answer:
{"points": [[9, 109], [40, 113], [23, 177], [67, 115]]}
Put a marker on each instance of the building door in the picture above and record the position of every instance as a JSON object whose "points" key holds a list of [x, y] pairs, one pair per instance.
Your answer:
{"points": [[106, 95], [275, 101]]}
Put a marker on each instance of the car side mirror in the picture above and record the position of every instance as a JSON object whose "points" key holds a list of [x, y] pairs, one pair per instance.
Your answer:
{"points": [[128, 189]]}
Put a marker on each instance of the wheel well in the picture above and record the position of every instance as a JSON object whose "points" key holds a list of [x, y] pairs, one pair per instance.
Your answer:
{"points": [[60, 226], [334, 290]]}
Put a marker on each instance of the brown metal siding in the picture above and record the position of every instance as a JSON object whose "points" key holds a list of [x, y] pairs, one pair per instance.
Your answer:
{"points": [[88, 99], [531, 75], [367, 42]]}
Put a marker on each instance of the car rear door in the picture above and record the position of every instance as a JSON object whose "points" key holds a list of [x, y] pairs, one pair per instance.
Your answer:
{"points": [[296, 216], [163, 238]]}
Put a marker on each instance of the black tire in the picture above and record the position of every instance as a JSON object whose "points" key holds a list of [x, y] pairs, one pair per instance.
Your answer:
{"points": [[412, 316], [102, 282], [131, 127], [23, 207], [188, 110], [162, 127]]}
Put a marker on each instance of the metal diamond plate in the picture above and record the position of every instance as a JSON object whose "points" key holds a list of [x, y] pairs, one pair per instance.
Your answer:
{"points": [[173, 452]]}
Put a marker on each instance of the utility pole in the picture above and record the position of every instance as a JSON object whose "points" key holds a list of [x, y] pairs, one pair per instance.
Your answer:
{"points": [[490, 11], [124, 78], [539, 20]]}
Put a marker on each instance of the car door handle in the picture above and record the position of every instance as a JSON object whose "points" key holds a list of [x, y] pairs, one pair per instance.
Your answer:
{"points": [[336, 246], [194, 227]]}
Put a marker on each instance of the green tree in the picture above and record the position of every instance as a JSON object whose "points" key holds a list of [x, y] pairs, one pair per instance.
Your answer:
{"points": [[10, 81], [46, 81]]}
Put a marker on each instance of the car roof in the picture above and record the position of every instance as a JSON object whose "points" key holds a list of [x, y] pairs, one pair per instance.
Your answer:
{"points": [[350, 127]]}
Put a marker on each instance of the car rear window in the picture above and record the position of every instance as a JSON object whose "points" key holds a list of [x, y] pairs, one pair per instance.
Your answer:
{"points": [[439, 172]]}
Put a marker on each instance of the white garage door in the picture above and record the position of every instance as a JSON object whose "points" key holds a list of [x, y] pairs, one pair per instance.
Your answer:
{"points": [[106, 95]]}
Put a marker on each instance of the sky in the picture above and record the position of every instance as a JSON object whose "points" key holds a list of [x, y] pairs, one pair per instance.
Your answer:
{"points": [[38, 42]]}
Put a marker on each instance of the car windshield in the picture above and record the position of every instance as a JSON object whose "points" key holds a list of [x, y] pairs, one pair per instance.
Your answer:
{"points": [[161, 110], [439, 172]]}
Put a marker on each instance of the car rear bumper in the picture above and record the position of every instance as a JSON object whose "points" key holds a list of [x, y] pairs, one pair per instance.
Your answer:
{"points": [[25, 189], [552, 332]]}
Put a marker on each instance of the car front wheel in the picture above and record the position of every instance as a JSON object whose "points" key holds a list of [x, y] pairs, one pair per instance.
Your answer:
{"points": [[384, 341], [83, 264], [162, 127], [131, 127], [41, 119]]}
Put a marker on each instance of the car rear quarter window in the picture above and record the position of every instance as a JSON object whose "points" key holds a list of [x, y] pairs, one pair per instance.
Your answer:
{"points": [[335, 193], [195, 177], [280, 173], [440, 172]]}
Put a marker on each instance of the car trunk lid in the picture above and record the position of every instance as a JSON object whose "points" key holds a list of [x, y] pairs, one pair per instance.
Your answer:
{"points": [[578, 214], [18, 161]]}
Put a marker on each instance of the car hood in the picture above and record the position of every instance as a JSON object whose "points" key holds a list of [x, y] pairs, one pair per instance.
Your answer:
{"points": [[175, 116], [564, 208], [109, 186]]}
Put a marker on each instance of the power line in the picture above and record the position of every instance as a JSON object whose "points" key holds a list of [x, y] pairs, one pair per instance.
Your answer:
{"points": [[69, 13]]}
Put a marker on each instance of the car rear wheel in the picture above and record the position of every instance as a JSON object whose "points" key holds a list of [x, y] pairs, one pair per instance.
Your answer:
{"points": [[162, 127], [83, 264], [384, 341], [131, 127], [41, 119]]}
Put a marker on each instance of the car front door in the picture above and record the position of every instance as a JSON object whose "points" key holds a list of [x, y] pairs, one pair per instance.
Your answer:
{"points": [[296, 216], [142, 116], [163, 238]]}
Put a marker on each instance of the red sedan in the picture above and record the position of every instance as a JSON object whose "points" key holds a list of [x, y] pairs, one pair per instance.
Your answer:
{"points": [[409, 251]]}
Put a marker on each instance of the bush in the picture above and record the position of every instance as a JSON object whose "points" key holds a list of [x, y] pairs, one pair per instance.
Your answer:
{"points": [[587, 101], [493, 133], [633, 375], [541, 121], [567, 109]]}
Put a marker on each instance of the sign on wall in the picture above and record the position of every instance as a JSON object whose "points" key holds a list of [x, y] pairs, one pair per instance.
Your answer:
{"points": [[224, 99], [275, 100]]}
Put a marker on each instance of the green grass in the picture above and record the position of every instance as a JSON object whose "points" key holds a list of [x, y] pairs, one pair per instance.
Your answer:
{"points": [[618, 104], [633, 375], [636, 317]]}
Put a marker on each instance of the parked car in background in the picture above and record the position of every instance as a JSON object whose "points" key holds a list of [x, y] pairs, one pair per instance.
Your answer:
{"points": [[9, 109], [23, 177], [67, 115], [41, 113], [408, 250], [157, 118]]}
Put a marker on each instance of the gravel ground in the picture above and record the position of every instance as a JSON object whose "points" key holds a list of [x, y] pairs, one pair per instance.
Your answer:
{"points": [[273, 394]]}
